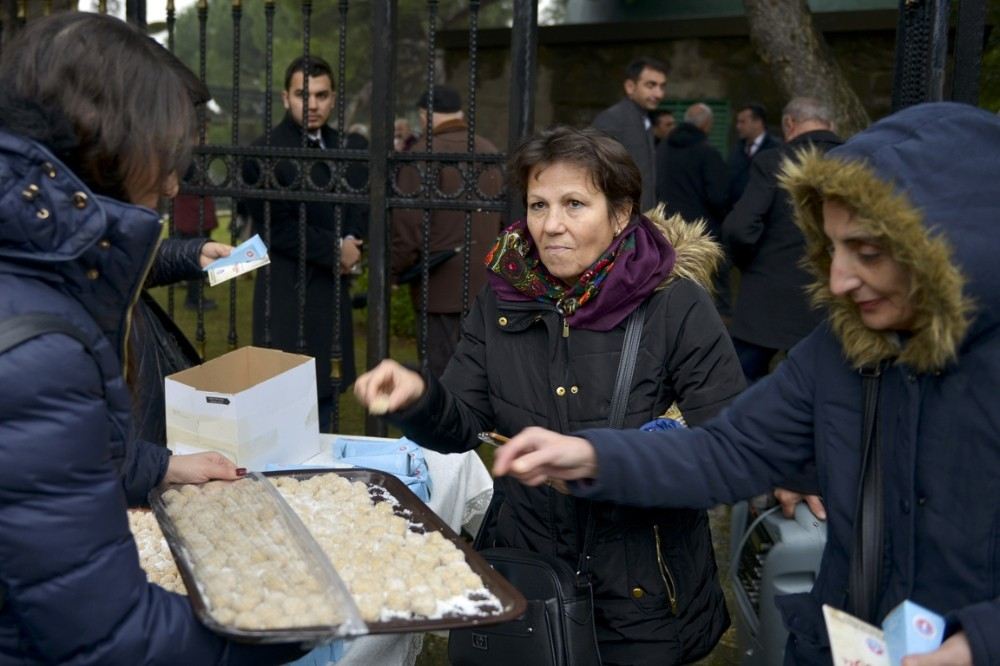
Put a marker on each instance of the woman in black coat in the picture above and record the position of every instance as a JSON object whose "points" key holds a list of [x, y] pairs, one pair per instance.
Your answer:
{"points": [[541, 346]]}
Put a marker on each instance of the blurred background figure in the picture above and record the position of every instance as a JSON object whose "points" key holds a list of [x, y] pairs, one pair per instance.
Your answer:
{"points": [[403, 137], [663, 124], [751, 128]]}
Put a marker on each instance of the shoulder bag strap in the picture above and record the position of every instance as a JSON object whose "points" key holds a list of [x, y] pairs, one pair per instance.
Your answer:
{"points": [[619, 402], [866, 555], [21, 328]]}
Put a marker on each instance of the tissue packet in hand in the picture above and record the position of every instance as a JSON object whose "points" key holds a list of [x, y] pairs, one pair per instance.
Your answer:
{"points": [[911, 629], [249, 255]]}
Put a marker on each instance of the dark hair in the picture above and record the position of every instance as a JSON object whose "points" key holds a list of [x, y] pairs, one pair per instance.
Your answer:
{"points": [[756, 110], [611, 168], [634, 69], [659, 113], [126, 103], [311, 66]]}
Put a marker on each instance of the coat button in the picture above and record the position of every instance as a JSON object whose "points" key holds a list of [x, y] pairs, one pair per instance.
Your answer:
{"points": [[560, 391], [93, 274], [574, 389], [42, 214], [79, 199], [30, 193], [50, 170], [502, 321], [104, 244], [638, 592]]}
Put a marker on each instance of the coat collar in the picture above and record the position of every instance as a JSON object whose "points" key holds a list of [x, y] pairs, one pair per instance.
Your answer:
{"points": [[54, 228]]}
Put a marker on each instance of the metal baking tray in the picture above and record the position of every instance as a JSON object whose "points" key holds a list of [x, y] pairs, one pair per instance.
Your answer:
{"points": [[513, 603], [352, 624]]}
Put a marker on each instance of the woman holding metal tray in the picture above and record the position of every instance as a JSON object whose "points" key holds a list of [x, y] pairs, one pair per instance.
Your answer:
{"points": [[96, 121], [541, 346]]}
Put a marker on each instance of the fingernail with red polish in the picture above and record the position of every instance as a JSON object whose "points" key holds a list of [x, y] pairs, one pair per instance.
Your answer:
{"points": [[241, 471]]}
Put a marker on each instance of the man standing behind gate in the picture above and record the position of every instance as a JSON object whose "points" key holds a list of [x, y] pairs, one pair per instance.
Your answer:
{"points": [[276, 311], [445, 303], [628, 120]]}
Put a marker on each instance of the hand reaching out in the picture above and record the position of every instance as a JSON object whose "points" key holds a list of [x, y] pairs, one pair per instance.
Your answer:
{"points": [[388, 387], [537, 456], [201, 467], [211, 251]]}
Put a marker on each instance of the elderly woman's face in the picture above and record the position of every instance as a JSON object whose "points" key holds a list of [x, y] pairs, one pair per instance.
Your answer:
{"points": [[864, 272], [569, 219]]}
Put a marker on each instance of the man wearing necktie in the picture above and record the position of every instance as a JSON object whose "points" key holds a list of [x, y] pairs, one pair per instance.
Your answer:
{"points": [[329, 256], [751, 128]]}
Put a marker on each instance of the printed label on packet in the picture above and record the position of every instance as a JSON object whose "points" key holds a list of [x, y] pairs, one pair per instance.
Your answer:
{"points": [[853, 642], [245, 257]]}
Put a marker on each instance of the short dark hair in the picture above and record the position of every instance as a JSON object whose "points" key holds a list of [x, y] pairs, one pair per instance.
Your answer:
{"points": [[446, 99], [311, 66], [634, 69], [659, 113], [756, 110], [128, 102], [612, 170]]}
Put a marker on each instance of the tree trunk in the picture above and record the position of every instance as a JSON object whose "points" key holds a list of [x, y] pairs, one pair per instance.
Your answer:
{"points": [[783, 33]]}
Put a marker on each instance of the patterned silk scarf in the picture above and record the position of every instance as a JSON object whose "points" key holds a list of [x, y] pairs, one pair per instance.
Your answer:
{"points": [[513, 260]]}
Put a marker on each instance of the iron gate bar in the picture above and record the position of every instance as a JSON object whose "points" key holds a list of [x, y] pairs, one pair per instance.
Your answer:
{"points": [[302, 273], [938, 49], [237, 13], [384, 18], [471, 149], [429, 177], [968, 51], [521, 102], [199, 331], [171, 26], [268, 111]]}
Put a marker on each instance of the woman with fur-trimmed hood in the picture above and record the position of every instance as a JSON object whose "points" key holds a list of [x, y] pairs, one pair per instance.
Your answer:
{"points": [[902, 230], [541, 346]]}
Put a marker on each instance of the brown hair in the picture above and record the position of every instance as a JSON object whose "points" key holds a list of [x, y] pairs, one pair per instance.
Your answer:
{"points": [[129, 101], [611, 169]]}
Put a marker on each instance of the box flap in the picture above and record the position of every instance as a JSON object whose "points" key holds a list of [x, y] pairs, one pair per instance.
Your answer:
{"points": [[238, 370]]}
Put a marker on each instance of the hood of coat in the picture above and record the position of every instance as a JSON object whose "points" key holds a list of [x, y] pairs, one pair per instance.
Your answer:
{"points": [[54, 228], [697, 256], [686, 135], [923, 182]]}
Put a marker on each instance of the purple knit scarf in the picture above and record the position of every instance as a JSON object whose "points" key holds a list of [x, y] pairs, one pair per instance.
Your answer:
{"points": [[636, 272]]}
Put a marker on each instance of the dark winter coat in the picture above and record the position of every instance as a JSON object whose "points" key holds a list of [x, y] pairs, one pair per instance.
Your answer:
{"points": [[626, 121], [924, 182], [739, 164], [691, 178], [445, 286], [772, 309], [514, 368], [277, 290], [69, 569], [157, 345]]}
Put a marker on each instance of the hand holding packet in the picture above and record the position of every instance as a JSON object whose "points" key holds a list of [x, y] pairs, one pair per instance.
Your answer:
{"points": [[245, 257], [907, 629]]}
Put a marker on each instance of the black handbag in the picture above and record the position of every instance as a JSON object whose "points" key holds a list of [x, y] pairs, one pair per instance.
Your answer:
{"points": [[557, 629]]}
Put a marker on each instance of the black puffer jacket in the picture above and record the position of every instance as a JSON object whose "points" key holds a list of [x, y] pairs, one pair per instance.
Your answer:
{"points": [[514, 369]]}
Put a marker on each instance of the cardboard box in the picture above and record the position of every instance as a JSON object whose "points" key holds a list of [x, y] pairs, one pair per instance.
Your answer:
{"points": [[256, 406]]}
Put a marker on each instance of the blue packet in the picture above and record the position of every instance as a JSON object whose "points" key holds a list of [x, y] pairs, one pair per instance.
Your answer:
{"points": [[402, 458]]}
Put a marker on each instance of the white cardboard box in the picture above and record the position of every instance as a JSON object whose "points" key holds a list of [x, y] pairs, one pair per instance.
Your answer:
{"points": [[254, 405]]}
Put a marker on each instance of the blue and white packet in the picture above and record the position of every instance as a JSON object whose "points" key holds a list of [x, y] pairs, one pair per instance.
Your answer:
{"points": [[402, 458], [249, 255]]}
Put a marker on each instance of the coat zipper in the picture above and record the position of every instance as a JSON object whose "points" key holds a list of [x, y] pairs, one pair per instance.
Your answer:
{"points": [[132, 301], [668, 578]]}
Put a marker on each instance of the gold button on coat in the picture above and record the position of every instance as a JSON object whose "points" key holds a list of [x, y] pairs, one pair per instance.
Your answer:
{"points": [[93, 274], [574, 389], [502, 321], [104, 244], [79, 199], [561, 391], [638, 592]]}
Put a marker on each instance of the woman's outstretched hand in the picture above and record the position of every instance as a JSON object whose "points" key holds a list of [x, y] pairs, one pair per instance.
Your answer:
{"points": [[201, 467], [388, 387], [537, 456], [211, 251]]}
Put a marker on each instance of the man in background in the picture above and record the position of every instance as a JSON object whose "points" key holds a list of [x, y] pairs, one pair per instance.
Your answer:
{"points": [[772, 309], [663, 124], [329, 256], [448, 297], [751, 128], [628, 120]]}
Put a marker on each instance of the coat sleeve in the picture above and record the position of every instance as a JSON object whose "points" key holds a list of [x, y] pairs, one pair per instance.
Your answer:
{"points": [[406, 224], [68, 563], [145, 466], [981, 624], [763, 437], [743, 226], [702, 365], [176, 259], [455, 409]]}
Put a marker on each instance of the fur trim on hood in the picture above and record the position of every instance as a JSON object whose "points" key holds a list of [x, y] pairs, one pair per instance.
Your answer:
{"points": [[943, 312], [697, 255]]}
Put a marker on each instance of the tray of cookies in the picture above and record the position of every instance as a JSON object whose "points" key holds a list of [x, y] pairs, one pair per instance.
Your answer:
{"points": [[252, 571], [406, 569]]}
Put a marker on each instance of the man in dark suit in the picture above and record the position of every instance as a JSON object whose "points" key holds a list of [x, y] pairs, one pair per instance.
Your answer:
{"points": [[329, 256], [628, 120], [751, 128], [772, 309]]}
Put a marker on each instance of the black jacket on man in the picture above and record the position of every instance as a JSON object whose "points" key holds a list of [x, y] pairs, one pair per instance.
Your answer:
{"points": [[739, 164], [626, 122], [691, 178], [772, 309], [277, 291]]}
